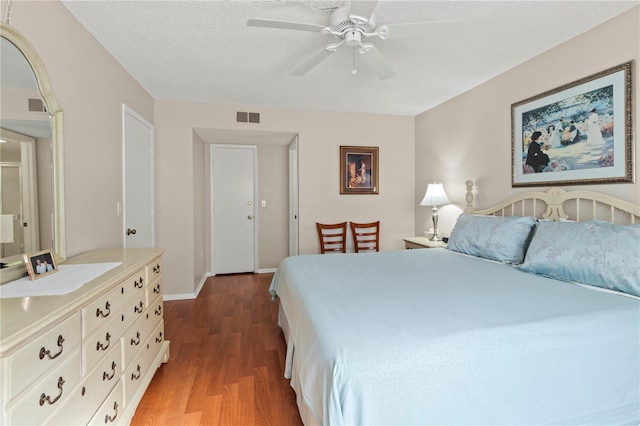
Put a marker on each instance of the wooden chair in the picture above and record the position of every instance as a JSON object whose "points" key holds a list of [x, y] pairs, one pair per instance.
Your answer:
{"points": [[366, 236], [333, 237]]}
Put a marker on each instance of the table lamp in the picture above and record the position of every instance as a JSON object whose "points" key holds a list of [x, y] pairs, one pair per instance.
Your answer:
{"points": [[435, 196]]}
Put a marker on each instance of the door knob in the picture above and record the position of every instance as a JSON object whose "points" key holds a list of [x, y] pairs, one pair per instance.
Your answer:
{"points": [[131, 231], [249, 217]]}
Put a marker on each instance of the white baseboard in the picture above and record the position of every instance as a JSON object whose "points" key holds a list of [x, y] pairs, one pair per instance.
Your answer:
{"points": [[267, 270], [185, 296]]}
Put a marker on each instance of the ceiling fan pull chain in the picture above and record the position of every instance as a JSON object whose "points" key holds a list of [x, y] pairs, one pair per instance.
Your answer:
{"points": [[354, 70]]}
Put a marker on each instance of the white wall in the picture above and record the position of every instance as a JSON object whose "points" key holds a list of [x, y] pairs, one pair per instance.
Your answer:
{"points": [[469, 137]]}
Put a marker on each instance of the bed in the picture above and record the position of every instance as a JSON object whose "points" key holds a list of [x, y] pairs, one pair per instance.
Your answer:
{"points": [[530, 315]]}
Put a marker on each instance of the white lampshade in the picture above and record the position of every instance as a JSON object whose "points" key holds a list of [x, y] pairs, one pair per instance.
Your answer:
{"points": [[435, 195]]}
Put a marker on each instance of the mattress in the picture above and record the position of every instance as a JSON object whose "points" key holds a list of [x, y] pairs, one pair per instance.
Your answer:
{"points": [[437, 337]]}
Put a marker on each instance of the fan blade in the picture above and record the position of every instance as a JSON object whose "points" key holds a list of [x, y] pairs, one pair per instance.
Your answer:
{"points": [[376, 61], [315, 60], [269, 23], [422, 29], [361, 10]]}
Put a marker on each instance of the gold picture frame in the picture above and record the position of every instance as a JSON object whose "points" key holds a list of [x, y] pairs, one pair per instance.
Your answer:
{"points": [[40, 264], [580, 133], [358, 170]]}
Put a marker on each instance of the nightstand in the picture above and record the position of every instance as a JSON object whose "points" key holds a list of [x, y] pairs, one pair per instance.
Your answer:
{"points": [[421, 242]]}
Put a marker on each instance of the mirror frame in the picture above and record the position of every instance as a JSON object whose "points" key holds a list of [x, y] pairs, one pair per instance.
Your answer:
{"points": [[57, 122]]}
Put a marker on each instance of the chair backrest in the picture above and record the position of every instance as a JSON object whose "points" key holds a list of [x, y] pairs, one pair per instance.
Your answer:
{"points": [[366, 236], [333, 237]]}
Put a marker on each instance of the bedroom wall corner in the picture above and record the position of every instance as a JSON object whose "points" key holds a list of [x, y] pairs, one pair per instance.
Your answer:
{"points": [[200, 226]]}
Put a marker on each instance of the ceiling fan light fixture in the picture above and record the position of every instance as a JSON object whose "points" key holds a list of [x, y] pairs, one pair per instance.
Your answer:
{"points": [[353, 38]]}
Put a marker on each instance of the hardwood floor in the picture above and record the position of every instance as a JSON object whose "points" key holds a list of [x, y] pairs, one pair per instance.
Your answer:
{"points": [[227, 360]]}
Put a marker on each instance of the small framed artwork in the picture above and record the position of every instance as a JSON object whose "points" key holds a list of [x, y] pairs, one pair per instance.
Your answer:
{"points": [[580, 133], [358, 170], [40, 263]]}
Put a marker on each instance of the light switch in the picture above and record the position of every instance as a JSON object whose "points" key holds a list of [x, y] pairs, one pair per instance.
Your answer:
{"points": [[263, 203]]}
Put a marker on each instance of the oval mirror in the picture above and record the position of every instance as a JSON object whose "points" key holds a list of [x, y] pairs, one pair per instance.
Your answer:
{"points": [[31, 178]]}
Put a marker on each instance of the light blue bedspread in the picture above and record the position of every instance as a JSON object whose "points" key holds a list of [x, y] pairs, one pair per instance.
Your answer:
{"points": [[436, 337]]}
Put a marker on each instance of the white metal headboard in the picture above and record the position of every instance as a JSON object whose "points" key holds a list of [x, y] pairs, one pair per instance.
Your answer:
{"points": [[558, 204]]}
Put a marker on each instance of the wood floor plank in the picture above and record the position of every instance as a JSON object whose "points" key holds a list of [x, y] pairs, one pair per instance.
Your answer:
{"points": [[227, 360]]}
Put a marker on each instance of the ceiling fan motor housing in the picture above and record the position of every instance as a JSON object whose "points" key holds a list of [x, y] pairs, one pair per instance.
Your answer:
{"points": [[341, 22]]}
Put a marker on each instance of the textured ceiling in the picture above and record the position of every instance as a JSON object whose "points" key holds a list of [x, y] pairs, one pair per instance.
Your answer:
{"points": [[203, 50]]}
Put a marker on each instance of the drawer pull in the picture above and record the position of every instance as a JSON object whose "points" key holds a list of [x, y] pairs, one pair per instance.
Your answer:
{"points": [[100, 313], [46, 398], [156, 289], [46, 352], [138, 284], [158, 310], [106, 376], [134, 376], [135, 342], [139, 308], [156, 268], [108, 418], [159, 338], [100, 346]]}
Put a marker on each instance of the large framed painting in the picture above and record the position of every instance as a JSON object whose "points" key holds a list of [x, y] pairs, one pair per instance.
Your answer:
{"points": [[580, 133], [358, 170]]}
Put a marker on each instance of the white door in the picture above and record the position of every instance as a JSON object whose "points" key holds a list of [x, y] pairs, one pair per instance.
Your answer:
{"points": [[137, 138], [233, 182]]}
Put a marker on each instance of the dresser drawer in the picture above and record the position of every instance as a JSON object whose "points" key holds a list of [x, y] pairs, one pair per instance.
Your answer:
{"points": [[42, 354], [45, 396], [154, 291], [154, 270], [102, 310], [112, 408], [95, 387], [155, 312], [157, 338]]}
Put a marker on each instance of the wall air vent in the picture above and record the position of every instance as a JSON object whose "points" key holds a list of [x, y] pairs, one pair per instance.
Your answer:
{"points": [[242, 117], [247, 117], [254, 117], [36, 105]]}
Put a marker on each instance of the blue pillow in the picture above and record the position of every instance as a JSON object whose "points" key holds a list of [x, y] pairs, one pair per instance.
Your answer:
{"points": [[504, 239], [595, 253]]}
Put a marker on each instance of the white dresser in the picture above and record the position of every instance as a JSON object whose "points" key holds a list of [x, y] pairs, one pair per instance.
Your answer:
{"points": [[86, 357]]}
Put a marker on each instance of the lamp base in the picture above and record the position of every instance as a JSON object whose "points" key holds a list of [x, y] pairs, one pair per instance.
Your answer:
{"points": [[434, 217]]}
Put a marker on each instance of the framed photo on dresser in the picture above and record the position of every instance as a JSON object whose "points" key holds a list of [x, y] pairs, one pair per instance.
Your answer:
{"points": [[40, 264]]}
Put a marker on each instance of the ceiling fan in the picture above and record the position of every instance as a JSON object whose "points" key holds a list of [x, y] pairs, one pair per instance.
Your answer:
{"points": [[352, 24]]}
